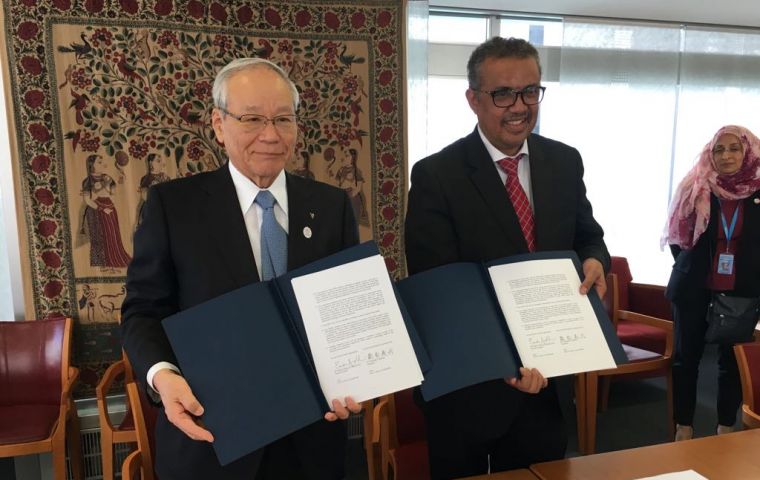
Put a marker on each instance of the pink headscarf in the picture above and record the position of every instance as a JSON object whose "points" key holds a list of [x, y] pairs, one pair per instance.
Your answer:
{"points": [[690, 208]]}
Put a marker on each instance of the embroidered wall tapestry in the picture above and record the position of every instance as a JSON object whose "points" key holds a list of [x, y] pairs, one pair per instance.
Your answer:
{"points": [[110, 97]]}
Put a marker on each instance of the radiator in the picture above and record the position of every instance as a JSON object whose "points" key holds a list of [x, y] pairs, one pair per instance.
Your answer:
{"points": [[93, 465]]}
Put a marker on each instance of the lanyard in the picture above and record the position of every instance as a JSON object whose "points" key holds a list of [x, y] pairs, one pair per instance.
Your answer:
{"points": [[729, 231]]}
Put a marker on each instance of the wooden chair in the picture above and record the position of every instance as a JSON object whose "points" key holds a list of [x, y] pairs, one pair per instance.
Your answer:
{"points": [[638, 298], [639, 361], [580, 408], [370, 447], [111, 433], [144, 415], [37, 412], [399, 431], [748, 359]]}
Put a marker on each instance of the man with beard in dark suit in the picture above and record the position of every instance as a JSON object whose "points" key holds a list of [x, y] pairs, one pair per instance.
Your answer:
{"points": [[501, 191], [215, 232]]}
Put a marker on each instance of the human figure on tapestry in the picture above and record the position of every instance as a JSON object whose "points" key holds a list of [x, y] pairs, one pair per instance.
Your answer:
{"points": [[303, 170], [330, 158], [100, 222], [351, 180], [87, 301], [156, 167]]}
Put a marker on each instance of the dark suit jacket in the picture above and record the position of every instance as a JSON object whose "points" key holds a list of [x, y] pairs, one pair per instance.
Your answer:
{"points": [[459, 211], [192, 246], [691, 267]]}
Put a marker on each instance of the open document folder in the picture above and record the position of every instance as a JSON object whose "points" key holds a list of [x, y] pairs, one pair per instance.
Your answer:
{"points": [[264, 360], [482, 322]]}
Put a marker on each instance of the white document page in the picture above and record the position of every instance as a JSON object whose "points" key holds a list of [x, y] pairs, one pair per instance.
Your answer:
{"points": [[685, 475], [553, 326], [356, 333]]}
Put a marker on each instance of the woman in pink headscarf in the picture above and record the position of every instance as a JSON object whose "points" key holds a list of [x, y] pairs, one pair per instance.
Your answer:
{"points": [[714, 234]]}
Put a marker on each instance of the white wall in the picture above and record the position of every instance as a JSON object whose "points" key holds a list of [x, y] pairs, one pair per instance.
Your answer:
{"points": [[11, 288], [726, 12]]}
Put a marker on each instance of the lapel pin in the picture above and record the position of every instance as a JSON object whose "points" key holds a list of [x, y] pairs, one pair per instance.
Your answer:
{"points": [[311, 214], [757, 201], [307, 232]]}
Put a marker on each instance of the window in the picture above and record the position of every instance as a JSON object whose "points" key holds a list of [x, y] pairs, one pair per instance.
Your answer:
{"points": [[460, 29], [6, 298]]}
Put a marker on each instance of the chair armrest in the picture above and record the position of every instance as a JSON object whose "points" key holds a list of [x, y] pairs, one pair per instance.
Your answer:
{"points": [[132, 465], [116, 370], [70, 382], [113, 372], [665, 325], [67, 402], [649, 300], [750, 418], [379, 414]]}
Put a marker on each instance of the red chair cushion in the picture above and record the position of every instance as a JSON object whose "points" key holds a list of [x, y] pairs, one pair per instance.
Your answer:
{"points": [[30, 364], [619, 266], [649, 300], [641, 336], [27, 423], [412, 462], [410, 423]]}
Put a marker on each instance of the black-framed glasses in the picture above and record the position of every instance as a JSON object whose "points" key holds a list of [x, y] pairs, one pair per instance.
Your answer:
{"points": [[256, 123], [505, 97]]}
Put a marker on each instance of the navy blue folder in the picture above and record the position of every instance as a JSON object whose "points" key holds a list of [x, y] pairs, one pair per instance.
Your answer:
{"points": [[457, 314], [246, 357]]}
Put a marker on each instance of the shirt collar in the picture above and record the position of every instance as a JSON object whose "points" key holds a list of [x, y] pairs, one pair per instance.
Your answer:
{"points": [[497, 154], [247, 190]]}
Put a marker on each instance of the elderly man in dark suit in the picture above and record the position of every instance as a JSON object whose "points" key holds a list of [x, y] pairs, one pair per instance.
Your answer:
{"points": [[214, 232], [500, 191]]}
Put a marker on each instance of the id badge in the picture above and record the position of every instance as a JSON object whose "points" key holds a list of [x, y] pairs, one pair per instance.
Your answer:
{"points": [[726, 263]]}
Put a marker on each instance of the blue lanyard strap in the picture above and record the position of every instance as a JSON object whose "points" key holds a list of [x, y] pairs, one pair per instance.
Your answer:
{"points": [[729, 231]]}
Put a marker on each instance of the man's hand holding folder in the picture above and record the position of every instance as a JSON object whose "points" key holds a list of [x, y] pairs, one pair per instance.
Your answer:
{"points": [[342, 412], [182, 408], [593, 275], [180, 405], [530, 381]]}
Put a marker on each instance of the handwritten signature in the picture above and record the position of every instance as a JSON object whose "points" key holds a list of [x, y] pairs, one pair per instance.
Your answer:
{"points": [[360, 358], [571, 338]]}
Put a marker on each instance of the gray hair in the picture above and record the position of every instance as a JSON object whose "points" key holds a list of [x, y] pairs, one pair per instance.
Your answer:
{"points": [[498, 47], [219, 92]]}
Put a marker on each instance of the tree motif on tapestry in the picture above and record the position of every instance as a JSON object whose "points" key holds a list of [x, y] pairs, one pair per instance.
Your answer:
{"points": [[136, 91]]}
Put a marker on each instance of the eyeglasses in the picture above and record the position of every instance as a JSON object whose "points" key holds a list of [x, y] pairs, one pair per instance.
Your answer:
{"points": [[733, 148], [256, 123], [505, 97]]}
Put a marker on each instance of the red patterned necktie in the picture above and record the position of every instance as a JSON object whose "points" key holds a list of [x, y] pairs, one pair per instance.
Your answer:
{"points": [[519, 199]]}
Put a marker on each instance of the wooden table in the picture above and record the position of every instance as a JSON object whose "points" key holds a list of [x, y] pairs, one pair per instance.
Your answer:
{"points": [[734, 456], [520, 474]]}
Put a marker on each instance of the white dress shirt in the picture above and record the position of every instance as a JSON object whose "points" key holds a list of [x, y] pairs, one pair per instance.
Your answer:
{"points": [[523, 167], [253, 213], [246, 192]]}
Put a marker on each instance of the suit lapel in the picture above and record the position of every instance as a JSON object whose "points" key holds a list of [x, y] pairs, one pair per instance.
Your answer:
{"points": [[299, 219], [541, 182], [227, 227], [494, 194]]}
